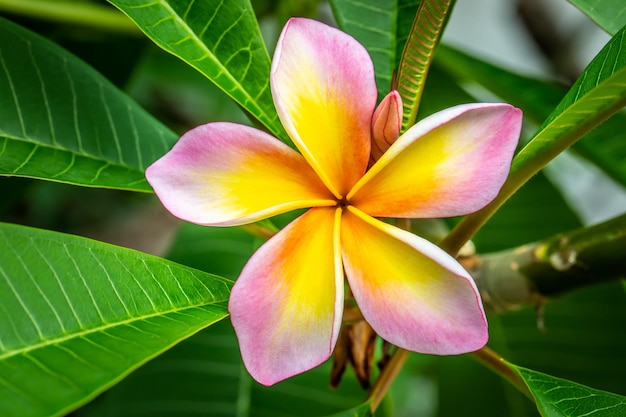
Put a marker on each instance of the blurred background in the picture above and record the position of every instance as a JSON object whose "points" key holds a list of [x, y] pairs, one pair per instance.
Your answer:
{"points": [[547, 39]]}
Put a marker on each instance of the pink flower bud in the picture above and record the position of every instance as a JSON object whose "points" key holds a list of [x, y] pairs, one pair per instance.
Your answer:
{"points": [[386, 124]]}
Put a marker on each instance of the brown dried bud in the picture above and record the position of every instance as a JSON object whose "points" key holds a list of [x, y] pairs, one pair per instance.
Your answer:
{"points": [[355, 345]]}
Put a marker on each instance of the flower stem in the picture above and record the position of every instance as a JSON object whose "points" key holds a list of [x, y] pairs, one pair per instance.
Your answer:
{"points": [[498, 364], [487, 356], [386, 377]]}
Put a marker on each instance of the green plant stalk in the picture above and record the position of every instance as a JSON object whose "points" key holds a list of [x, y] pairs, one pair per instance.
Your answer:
{"points": [[487, 356], [529, 274], [77, 13], [492, 360], [386, 377]]}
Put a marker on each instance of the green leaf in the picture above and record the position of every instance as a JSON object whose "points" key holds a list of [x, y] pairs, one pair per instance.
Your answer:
{"points": [[418, 53], [382, 27], [440, 92], [558, 397], [78, 315], [218, 250], [610, 15], [221, 39], [597, 94], [206, 371], [186, 98], [62, 121]]}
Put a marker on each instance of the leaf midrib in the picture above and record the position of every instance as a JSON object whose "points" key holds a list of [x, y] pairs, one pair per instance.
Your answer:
{"points": [[73, 335], [617, 77], [80, 153], [224, 70]]}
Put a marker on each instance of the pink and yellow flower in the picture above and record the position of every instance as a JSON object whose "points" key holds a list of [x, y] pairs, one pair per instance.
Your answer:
{"points": [[286, 307]]}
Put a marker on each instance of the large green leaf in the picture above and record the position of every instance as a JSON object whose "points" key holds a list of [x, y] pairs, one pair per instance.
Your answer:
{"points": [[382, 27], [78, 315], [221, 39], [206, 370], [610, 15], [599, 93], [62, 121], [558, 397], [218, 250], [418, 54]]}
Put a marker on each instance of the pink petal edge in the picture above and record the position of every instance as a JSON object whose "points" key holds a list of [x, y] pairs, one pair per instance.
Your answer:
{"points": [[225, 174], [451, 163], [286, 306], [412, 293], [323, 86]]}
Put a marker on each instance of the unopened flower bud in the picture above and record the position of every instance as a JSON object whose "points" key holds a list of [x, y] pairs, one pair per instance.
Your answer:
{"points": [[386, 124]]}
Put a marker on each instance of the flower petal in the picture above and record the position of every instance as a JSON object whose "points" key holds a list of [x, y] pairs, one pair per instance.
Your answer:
{"points": [[323, 87], [413, 294], [451, 163], [286, 306], [224, 174]]}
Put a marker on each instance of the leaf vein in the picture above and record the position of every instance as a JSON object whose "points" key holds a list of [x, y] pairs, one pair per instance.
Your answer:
{"points": [[111, 283], [14, 95], [84, 282], [44, 94]]}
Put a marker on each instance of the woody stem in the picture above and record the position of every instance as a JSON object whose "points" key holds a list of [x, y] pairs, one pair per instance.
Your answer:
{"points": [[386, 377]]}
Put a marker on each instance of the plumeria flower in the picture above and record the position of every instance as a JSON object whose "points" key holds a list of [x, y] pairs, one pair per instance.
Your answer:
{"points": [[287, 304]]}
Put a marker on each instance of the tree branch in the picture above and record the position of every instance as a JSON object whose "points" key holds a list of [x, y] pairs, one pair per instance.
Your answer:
{"points": [[532, 273]]}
